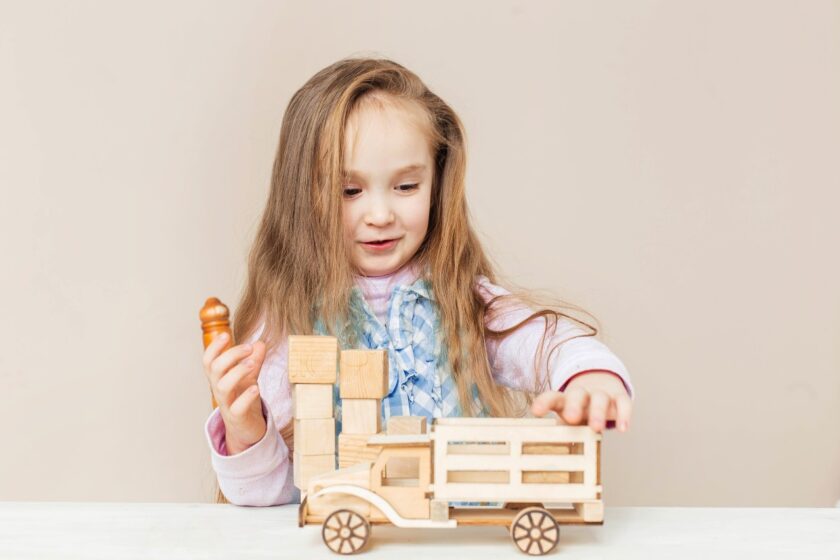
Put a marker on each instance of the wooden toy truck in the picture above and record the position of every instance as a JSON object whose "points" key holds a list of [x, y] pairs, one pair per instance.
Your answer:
{"points": [[538, 472], [526, 466]]}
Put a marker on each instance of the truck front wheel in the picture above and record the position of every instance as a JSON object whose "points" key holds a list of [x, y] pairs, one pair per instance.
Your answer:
{"points": [[345, 531]]}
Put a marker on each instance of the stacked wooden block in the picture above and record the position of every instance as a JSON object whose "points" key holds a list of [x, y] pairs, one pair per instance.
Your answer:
{"points": [[312, 373], [363, 385]]}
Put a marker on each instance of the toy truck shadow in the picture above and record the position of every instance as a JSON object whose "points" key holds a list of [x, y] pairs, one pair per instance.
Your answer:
{"points": [[537, 472]]}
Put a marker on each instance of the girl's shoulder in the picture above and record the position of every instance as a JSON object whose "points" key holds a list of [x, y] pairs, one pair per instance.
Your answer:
{"points": [[488, 289], [503, 306]]}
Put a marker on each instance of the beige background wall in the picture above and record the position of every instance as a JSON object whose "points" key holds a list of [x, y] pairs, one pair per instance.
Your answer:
{"points": [[670, 166]]}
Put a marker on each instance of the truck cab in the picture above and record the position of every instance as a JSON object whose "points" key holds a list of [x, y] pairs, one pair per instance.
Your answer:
{"points": [[402, 473]]}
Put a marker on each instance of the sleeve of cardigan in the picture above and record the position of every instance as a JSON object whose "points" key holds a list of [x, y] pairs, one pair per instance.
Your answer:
{"points": [[524, 361], [261, 475]]}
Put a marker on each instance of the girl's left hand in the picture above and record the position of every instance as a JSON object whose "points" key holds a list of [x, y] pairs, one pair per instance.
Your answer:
{"points": [[591, 398]]}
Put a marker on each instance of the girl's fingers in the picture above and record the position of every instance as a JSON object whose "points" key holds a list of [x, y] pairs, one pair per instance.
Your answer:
{"points": [[226, 387], [574, 410], [599, 401], [228, 359], [577, 405], [213, 350], [244, 401], [624, 407], [545, 402]]}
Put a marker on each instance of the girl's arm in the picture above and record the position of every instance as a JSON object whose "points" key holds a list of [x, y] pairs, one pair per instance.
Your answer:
{"points": [[261, 475], [562, 361]]}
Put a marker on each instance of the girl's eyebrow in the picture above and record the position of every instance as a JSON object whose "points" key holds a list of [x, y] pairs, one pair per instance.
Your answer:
{"points": [[351, 173]]}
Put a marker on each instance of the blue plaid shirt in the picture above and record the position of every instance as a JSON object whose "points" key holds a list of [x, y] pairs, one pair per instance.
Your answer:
{"points": [[420, 379]]}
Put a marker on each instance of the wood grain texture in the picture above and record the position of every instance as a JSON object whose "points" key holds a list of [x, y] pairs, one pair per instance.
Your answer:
{"points": [[312, 400], [406, 425], [314, 436], [305, 467], [363, 374], [313, 359], [353, 448], [360, 416]]}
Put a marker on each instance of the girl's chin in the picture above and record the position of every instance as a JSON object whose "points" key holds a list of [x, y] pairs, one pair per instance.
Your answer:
{"points": [[374, 271]]}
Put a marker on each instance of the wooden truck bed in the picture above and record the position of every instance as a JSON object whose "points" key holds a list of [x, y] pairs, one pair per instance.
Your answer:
{"points": [[527, 461]]}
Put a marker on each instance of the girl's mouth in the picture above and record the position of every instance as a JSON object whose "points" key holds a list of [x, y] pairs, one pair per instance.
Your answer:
{"points": [[383, 245]]}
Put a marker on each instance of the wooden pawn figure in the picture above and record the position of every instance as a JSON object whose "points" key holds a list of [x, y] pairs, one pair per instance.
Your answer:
{"points": [[215, 320]]}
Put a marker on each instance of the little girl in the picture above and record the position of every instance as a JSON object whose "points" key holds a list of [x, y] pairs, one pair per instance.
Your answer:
{"points": [[366, 236]]}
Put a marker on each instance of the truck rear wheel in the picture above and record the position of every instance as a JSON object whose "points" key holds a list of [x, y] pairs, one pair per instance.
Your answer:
{"points": [[345, 531], [535, 531]]}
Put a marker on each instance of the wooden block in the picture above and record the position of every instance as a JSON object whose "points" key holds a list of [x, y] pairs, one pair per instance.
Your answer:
{"points": [[315, 436], [305, 467], [439, 510], [353, 448], [360, 416], [364, 374], [312, 400], [406, 425], [313, 359]]}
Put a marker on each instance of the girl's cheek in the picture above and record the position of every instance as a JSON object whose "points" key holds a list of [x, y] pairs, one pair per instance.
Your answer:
{"points": [[349, 217]]}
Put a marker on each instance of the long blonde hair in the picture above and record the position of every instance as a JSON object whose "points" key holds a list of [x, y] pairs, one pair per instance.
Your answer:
{"points": [[300, 256]]}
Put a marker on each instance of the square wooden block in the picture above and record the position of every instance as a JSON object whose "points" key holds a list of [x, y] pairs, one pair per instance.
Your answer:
{"points": [[360, 416], [313, 359], [314, 436], [312, 400], [364, 374], [305, 467], [406, 425], [353, 448]]}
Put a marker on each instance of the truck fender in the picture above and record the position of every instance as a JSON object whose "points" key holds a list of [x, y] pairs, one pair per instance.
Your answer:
{"points": [[386, 508]]}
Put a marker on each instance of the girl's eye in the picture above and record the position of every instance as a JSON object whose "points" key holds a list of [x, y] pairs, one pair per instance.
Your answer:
{"points": [[353, 191]]}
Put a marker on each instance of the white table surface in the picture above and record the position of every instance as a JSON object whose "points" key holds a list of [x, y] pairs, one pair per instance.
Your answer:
{"points": [[68, 530]]}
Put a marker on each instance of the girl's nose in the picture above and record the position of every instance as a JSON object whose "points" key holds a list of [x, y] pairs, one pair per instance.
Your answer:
{"points": [[378, 214]]}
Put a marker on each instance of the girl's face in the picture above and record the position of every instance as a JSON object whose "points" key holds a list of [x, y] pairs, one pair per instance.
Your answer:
{"points": [[388, 187]]}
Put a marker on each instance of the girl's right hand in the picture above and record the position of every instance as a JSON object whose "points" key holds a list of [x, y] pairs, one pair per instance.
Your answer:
{"points": [[233, 380]]}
